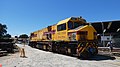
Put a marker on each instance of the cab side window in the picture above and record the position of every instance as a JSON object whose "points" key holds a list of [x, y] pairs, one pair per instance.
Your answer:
{"points": [[70, 25], [61, 27]]}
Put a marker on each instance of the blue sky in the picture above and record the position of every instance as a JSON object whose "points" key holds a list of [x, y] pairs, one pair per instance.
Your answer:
{"points": [[25, 16]]}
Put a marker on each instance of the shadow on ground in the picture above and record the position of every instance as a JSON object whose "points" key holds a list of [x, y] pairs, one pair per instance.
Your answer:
{"points": [[100, 58], [3, 54], [96, 58], [116, 54]]}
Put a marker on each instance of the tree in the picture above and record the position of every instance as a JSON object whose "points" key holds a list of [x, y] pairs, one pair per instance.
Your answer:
{"points": [[7, 36], [23, 36], [3, 30], [16, 36]]}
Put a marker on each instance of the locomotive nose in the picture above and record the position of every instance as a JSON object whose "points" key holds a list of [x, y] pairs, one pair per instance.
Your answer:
{"points": [[87, 50]]}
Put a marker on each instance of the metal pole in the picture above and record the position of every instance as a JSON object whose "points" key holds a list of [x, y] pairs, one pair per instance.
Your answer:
{"points": [[103, 40], [103, 33]]}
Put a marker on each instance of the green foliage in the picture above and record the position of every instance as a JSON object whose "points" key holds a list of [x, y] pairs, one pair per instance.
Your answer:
{"points": [[3, 30], [7, 36], [16, 36], [23, 36]]}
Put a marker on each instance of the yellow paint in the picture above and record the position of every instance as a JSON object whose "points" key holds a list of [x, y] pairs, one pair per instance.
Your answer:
{"points": [[90, 31], [54, 27], [63, 35], [39, 35], [63, 21]]}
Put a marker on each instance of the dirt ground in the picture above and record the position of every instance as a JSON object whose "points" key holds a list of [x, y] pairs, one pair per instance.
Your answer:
{"points": [[40, 58]]}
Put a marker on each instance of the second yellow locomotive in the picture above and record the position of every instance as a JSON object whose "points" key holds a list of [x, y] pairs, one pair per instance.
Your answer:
{"points": [[70, 36]]}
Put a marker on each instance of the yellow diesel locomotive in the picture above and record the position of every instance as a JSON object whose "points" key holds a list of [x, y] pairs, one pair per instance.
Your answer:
{"points": [[72, 36]]}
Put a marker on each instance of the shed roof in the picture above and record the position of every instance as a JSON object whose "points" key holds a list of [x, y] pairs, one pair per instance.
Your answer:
{"points": [[109, 26]]}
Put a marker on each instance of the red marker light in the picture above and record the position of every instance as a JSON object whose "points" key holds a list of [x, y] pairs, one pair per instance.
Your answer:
{"points": [[0, 65]]}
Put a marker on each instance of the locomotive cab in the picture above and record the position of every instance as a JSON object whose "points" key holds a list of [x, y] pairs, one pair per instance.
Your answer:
{"points": [[69, 24]]}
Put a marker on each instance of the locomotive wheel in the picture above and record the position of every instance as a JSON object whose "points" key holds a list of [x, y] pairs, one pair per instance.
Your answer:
{"points": [[78, 54], [44, 47], [96, 51], [68, 51], [10, 50], [50, 48], [54, 48], [37, 46], [85, 55], [34, 45]]}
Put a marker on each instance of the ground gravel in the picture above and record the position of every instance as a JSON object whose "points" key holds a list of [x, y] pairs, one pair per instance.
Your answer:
{"points": [[40, 58]]}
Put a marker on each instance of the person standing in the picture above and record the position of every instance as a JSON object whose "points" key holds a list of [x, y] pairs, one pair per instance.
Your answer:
{"points": [[110, 45]]}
